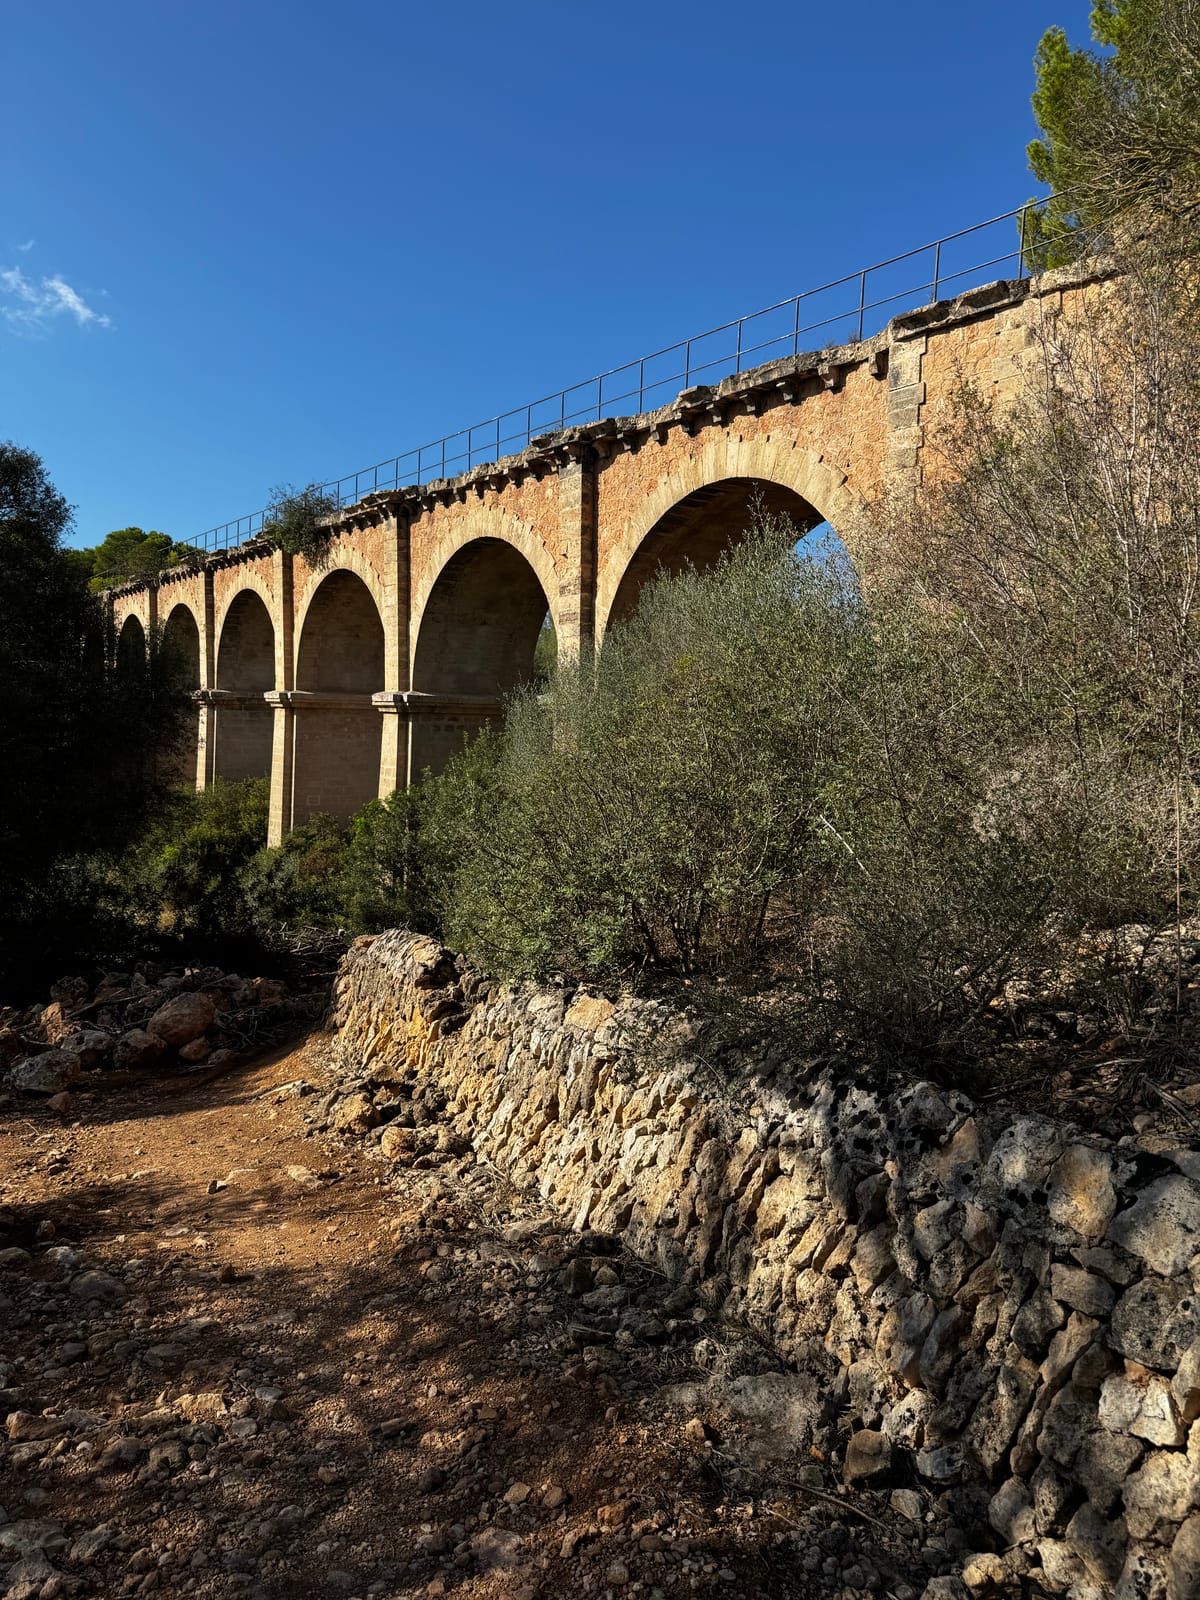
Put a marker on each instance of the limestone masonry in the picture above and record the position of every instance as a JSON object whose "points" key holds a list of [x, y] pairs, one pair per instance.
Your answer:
{"points": [[342, 681], [996, 1302]]}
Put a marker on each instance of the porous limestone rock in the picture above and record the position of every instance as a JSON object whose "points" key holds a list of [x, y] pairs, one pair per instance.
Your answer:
{"points": [[182, 1018], [987, 1302], [48, 1073]]}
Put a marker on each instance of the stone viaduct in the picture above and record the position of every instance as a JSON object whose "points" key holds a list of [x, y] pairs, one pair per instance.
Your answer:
{"points": [[344, 679]]}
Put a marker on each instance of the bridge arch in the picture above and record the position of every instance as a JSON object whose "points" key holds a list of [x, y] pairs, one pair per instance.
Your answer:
{"points": [[481, 613], [701, 508], [180, 653], [245, 673], [340, 665], [131, 648]]}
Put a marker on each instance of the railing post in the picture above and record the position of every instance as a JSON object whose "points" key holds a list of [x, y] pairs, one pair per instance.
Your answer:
{"points": [[937, 269], [687, 364], [796, 330], [862, 302], [738, 357], [642, 384]]}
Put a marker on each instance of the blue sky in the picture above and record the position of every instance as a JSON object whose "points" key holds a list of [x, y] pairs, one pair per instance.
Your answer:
{"points": [[248, 243]]}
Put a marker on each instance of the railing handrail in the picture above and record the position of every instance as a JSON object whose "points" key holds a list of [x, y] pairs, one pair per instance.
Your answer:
{"points": [[426, 457]]}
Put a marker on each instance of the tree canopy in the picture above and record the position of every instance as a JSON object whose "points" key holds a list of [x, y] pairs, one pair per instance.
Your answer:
{"points": [[1120, 124], [79, 741], [128, 554]]}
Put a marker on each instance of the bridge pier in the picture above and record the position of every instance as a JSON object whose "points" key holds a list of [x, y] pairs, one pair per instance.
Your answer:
{"points": [[440, 724]]}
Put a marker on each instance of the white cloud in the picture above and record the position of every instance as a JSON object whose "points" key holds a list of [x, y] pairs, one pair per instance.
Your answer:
{"points": [[30, 306], [27, 246]]}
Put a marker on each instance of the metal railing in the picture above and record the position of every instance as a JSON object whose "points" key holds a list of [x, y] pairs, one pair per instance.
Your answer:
{"points": [[847, 309]]}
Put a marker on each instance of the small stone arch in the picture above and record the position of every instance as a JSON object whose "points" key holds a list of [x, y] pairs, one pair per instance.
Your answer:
{"points": [[701, 508], [347, 559], [340, 666], [474, 644], [131, 659], [248, 581], [467, 528], [245, 673], [180, 660]]}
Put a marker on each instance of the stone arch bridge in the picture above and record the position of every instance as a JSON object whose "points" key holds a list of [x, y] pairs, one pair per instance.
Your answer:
{"points": [[346, 679]]}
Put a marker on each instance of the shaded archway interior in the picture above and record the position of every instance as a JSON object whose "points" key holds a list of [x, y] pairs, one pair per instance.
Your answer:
{"points": [[131, 648], [180, 656], [480, 626], [701, 528], [339, 736], [242, 719], [477, 642]]}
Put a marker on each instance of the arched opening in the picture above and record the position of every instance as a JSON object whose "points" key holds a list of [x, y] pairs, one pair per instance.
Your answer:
{"points": [[242, 721], [339, 732], [131, 649], [699, 529], [482, 634], [180, 659]]}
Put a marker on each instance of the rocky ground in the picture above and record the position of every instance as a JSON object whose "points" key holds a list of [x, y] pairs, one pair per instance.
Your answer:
{"points": [[241, 1357]]}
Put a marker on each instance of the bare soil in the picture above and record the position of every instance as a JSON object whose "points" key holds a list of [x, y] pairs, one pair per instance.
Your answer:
{"points": [[307, 1372]]}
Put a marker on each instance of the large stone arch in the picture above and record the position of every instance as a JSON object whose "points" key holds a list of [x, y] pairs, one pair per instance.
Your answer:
{"points": [[180, 657], [245, 675], [474, 640], [714, 486], [340, 665]]}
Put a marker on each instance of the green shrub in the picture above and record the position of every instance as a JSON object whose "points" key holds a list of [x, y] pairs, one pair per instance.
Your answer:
{"points": [[650, 812], [297, 885], [183, 877]]}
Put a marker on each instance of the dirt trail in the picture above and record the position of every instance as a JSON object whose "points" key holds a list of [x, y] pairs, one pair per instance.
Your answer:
{"points": [[236, 1359]]}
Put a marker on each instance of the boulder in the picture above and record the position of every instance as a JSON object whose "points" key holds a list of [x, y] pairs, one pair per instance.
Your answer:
{"points": [[269, 991], [182, 1018], [137, 1048], [1162, 1226], [97, 1285], [71, 992], [357, 1113], [1155, 1322], [198, 1050], [31, 1577], [1164, 1490], [91, 1045], [867, 1454], [53, 1021], [398, 1144], [1185, 1560], [1080, 1193], [48, 1073]]}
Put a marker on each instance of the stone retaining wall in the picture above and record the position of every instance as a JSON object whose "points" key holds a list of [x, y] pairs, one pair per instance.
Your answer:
{"points": [[996, 1300]]}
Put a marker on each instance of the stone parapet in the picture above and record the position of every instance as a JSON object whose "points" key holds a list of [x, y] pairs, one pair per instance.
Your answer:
{"points": [[993, 1300]]}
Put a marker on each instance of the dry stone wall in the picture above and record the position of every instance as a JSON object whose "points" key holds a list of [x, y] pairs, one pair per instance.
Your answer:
{"points": [[986, 1299]]}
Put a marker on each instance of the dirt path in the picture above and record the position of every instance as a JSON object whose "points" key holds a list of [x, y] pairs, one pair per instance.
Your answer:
{"points": [[236, 1359]]}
